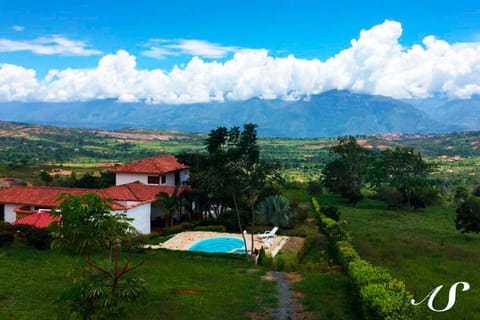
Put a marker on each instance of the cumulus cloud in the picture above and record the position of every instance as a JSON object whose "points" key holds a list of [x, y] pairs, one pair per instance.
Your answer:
{"points": [[161, 48], [53, 45], [375, 63]]}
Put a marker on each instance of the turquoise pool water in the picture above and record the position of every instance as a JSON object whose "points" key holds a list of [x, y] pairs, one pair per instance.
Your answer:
{"points": [[223, 244]]}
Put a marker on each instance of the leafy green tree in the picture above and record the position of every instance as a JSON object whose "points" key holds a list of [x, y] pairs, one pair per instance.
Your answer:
{"points": [[274, 210], [346, 173], [87, 224], [468, 215], [231, 175], [404, 170], [46, 177]]}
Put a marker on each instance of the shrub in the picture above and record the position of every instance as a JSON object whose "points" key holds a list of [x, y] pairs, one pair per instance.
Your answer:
{"points": [[211, 228], [468, 215], [363, 273], [6, 238], [392, 197], [389, 301], [346, 253], [177, 228], [283, 262], [6, 226], [39, 238], [314, 188], [135, 242], [331, 212], [307, 246], [23, 230]]}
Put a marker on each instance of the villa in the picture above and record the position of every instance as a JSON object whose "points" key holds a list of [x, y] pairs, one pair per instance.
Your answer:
{"points": [[137, 185]]}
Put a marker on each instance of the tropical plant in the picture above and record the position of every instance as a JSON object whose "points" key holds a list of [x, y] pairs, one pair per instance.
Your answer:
{"points": [[87, 224], [104, 292], [274, 210], [170, 205]]}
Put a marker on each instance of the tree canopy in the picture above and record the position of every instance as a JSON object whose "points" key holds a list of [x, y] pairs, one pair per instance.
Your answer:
{"points": [[87, 224]]}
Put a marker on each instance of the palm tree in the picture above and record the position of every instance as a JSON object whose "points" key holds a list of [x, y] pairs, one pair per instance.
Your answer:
{"points": [[169, 204]]}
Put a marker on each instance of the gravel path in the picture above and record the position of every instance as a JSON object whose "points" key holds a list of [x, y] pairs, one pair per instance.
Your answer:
{"points": [[286, 307]]}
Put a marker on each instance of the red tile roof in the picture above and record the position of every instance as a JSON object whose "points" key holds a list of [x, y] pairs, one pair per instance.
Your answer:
{"points": [[39, 220], [137, 191], [46, 196], [153, 165]]}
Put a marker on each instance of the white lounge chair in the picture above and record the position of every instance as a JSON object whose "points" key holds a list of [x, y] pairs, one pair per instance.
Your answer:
{"points": [[268, 234]]}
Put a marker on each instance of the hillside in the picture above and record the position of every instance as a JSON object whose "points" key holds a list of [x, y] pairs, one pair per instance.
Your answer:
{"points": [[329, 114]]}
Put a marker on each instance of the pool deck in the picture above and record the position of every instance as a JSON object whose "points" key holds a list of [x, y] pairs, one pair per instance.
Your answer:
{"points": [[184, 240]]}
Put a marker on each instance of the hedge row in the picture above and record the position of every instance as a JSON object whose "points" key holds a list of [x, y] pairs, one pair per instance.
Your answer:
{"points": [[381, 296]]}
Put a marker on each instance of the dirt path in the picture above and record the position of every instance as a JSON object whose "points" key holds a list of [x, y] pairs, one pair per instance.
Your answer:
{"points": [[286, 306]]}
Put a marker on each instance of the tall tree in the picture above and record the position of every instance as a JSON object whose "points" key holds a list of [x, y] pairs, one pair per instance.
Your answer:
{"points": [[170, 205], [87, 224], [345, 174], [402, 169]]}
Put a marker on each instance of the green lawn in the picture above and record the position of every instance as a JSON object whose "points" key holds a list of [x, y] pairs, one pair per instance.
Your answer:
{"points": [[422, 248], [181, 285]]}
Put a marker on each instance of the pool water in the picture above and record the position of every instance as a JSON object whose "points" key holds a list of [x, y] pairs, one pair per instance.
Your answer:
{"points": [[222, 244]]}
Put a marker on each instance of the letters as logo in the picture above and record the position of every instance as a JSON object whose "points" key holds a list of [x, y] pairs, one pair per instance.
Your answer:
{"points": [[451, 296]]}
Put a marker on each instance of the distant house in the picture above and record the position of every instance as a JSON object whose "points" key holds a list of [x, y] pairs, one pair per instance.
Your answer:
{"points": [[160, 170], [136, 189]]}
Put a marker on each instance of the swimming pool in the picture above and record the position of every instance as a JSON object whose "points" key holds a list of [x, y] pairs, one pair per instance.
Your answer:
{"points": [[221, 244]]}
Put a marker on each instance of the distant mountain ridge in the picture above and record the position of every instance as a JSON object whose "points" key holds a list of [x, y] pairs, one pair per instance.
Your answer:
{"points": [[331, 113]]}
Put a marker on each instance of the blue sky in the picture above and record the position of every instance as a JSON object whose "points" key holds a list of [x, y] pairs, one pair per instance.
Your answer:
{"points": [[62, 35]]}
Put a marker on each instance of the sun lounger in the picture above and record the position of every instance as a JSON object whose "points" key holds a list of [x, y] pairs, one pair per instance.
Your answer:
{"points": [[268, 234]]}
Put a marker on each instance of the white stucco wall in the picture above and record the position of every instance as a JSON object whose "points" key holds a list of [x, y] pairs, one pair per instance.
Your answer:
{"points": [[10, 215], [184, 175], [123, 178], [141, 218]]}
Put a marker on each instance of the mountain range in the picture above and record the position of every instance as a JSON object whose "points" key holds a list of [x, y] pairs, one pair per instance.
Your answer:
{"points": [[332, 113]]}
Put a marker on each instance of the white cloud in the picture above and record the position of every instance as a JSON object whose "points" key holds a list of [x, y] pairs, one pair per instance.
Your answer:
{"points": [[18, 28], [53, 45], [374, 63], [160, 48]]}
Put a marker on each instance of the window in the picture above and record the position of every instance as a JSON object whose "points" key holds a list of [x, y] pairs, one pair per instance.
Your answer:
{"points": [[153, 180], [164, 179]]}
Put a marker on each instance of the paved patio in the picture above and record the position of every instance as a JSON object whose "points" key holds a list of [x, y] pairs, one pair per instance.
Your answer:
{"points": [[184, 240]]}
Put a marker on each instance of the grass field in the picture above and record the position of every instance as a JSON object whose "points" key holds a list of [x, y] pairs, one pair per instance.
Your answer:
{"points": [[181, 285], [422, 248]]}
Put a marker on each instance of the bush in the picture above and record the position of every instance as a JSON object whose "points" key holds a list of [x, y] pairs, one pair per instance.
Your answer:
{"points": [[331, 212], [211, 228], [346, 253], [392, 197], [390, 301], [287, 263], [314, 188], [184, 226], [135, 242], [6, 238], [39, 238], [468, 215], [363, 273], [307, 245], [6, 226], [23, 230]]}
